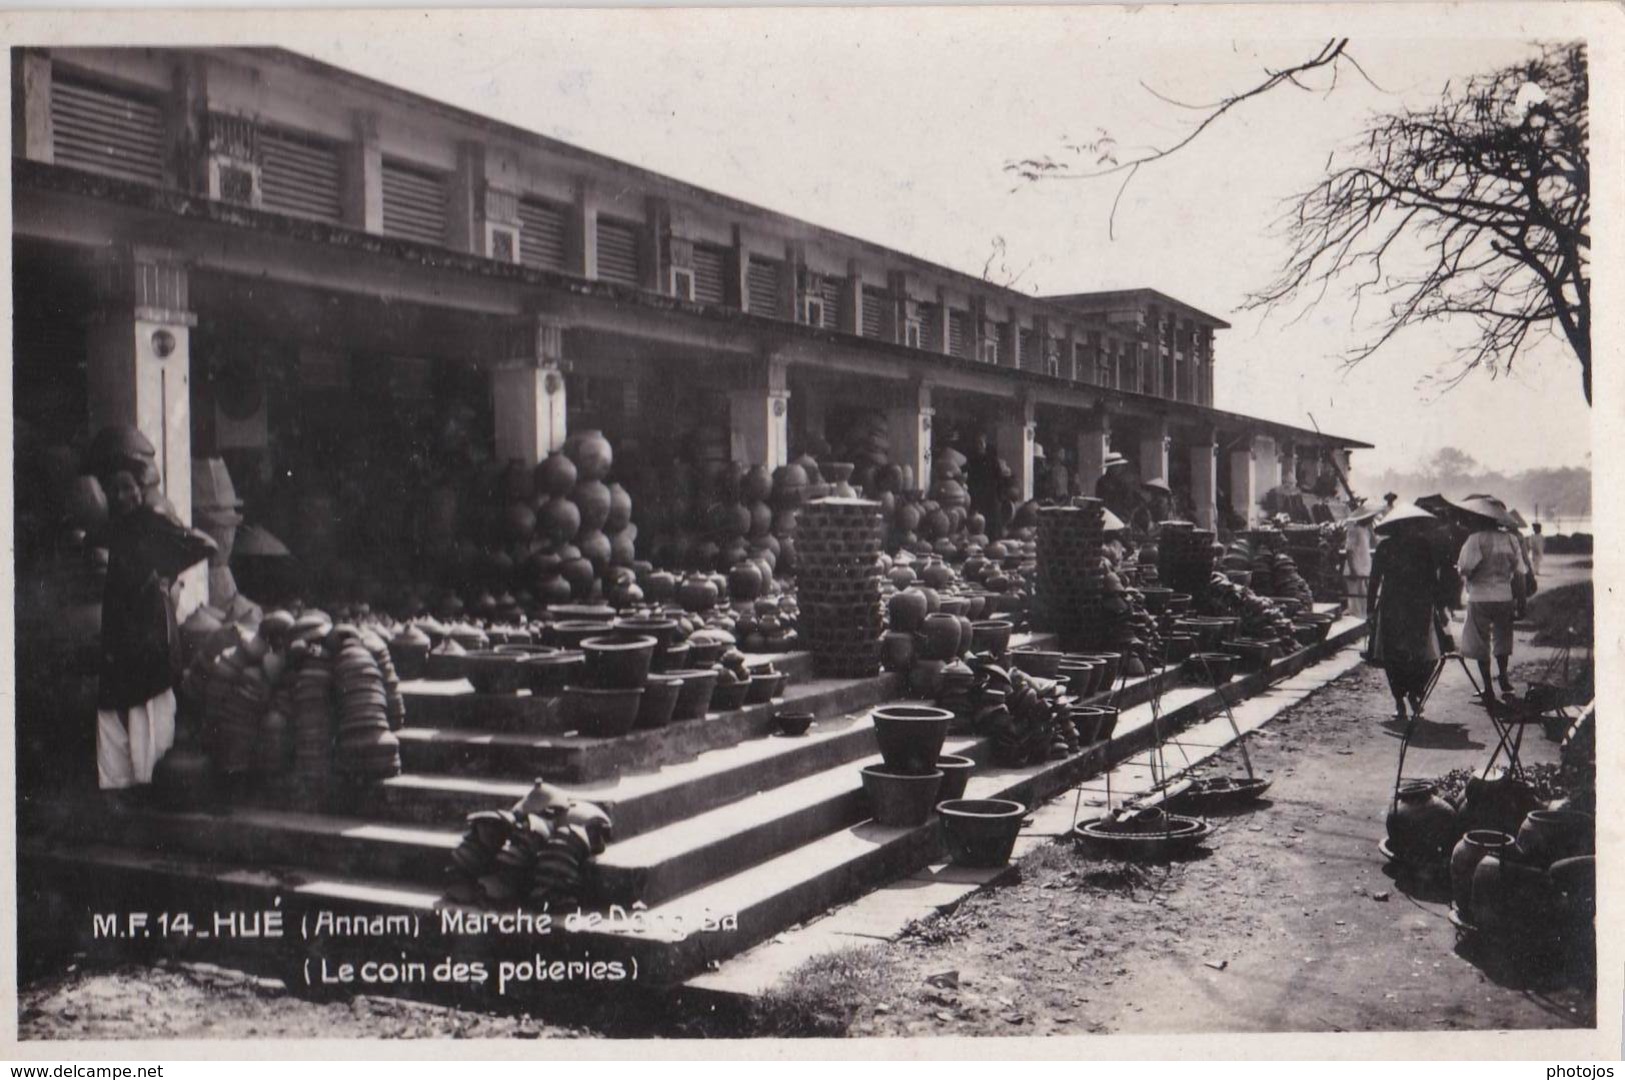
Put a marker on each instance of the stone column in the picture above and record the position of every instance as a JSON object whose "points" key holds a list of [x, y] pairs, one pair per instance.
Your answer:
{"points": [[527, 391], [1289, 466], [1205, 480], [1154, 451], [364, 177], [139, 370], [1266, 466], [1094, 443], [1015, 443], [1244, 495], [31, 132], [759, 419], [909, 425]]}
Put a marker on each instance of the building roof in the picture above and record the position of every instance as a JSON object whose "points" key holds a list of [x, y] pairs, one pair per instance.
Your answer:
{"points": [[1133, 299]]}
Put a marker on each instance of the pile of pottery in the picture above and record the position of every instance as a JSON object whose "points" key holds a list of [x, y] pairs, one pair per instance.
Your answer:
{"points": [[1315, 554], [312, 722], [903, 790], [1025, 715], [1071, 571], [839, 586], [366, 748], [1184, 557], [536, 853]]}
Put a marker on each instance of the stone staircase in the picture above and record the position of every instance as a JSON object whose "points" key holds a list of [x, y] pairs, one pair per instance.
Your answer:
{"points": [[725, 833]]}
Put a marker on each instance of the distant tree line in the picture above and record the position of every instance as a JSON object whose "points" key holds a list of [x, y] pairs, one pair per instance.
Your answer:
{"points": [[1547, 495]]}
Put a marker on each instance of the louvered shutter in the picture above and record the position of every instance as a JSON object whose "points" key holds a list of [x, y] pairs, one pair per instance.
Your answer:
{"points": [[874, 302], [542, 243], [764, 279], [1027, 357], [830, 289], [414, 203], [106, 130], [930, 331], [710, 274], [300, 176], [956, 331], [618, 252]]}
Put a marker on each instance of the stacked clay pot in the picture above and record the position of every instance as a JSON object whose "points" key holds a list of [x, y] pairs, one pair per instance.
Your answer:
{"points": [[1070, 571], [312, 721], [1185, 557], [839, 586], [365, 748]]}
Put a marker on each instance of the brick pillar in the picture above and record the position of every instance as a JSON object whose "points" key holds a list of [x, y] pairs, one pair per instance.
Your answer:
{"points": [[139, 370], [527, 392]]}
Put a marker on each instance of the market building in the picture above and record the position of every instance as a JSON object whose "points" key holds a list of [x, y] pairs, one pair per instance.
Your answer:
{"points": [[355, 298], [255, 256]]}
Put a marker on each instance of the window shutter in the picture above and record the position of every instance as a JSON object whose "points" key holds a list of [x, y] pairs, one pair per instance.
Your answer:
{"points": [[300, 176], [830, 289], [106, 130], [874, 302], [764, 279], [957, 320], [930, 332], [542, 236], [618, 252], [1028, 351], [414, 203], [710, 274]]}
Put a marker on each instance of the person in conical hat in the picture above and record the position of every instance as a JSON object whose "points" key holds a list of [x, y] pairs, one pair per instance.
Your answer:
{"points": [[1492, 567], [1409, 586]]}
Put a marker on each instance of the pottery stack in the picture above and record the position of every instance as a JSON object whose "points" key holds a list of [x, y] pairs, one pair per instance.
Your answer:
{"points": [[366, 748], [1070, 568], [839, 585], [312, 721], [1185, 557]]}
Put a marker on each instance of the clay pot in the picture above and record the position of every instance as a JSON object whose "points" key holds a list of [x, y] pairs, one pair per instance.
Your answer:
{"points": [[1509, 896], [1422, 826], [1575, 881], [1210, 669], [956, 770], [570, 633], [556, 474], [1500, 804], [591, 453], [980, 832], [600, 713], [900, 800], [906, 610], [938, 638], [666, 631], [793, 722], [1041, 665], [910, 736], [669, 657], [549, 675], [764, 687], [897, 651], [1087, 721], [620, 663], [1547, 836], [729, 696], [1083, 677], [1472, 849], [494, 672], [659, 701], [991, 636], [1178, 647], [694, 699]]}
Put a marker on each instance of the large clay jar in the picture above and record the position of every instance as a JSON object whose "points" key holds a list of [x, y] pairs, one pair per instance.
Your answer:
{"points": [[1498, 804], [1547, 836], [1471, 851], [911, 736], [1508, 896], [939, 637], [183, 779], [592, 455], [897, 651], [1421, 826], [906, 610]]}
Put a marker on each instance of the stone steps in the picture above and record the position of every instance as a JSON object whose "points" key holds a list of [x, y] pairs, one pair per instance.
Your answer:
{"points": [[768, 831]]}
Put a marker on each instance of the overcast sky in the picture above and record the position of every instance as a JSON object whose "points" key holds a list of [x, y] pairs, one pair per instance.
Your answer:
{"points": [[895, 125]]}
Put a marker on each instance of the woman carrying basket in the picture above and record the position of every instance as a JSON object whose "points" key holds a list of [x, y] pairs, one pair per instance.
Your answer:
{"points": [[1409, 587]]}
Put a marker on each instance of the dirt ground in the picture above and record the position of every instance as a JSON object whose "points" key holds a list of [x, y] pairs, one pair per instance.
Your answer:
{"points": [[1289, 923]]}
